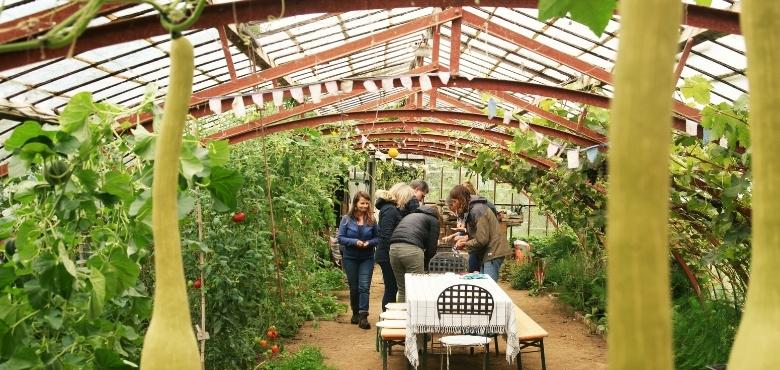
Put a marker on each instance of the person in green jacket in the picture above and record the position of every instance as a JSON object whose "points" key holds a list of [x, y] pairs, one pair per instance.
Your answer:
{"points": [[483, 233]]}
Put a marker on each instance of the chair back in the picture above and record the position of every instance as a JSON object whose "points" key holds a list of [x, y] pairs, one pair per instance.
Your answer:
{"points": [[465, 299], [447, 262]]}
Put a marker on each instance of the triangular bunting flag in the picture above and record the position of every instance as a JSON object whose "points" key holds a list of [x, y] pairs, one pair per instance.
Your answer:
{"points": [[425, 83], [507, 117], [706, 136], [363, 140], [539, 138], [215, 105], [444, 77], [406, 81], [491, 108], [552, 148], [258, 99], [346, 86], [724, 142], [691, 127], [297, 94], [316, 93], [238, 106], [523, 126], [592, 153], [332, 87], [370, 86], [387, 84], [573, 158], [278, 97]]}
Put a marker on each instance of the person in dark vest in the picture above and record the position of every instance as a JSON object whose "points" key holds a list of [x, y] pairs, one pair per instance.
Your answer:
{"points": [[389, 217], [413, 242]]}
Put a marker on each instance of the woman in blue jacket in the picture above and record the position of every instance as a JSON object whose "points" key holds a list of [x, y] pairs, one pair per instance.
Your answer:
{"points": [[359, 234]]}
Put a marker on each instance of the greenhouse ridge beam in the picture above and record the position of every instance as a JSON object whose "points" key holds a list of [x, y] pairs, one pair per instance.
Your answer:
{"points": [[243, 11]]}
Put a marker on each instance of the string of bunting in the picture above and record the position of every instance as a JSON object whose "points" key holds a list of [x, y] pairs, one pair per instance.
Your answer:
{"points": [[332, 87]]}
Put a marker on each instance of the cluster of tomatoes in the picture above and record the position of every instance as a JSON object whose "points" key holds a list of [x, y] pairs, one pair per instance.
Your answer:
{"points": [[269, 342]]}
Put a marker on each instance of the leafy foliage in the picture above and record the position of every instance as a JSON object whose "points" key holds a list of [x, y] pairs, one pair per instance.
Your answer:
{"points": [[308, 358], [593, 13], [389, 173], [240, 274], [80, 217], [703, 332]]}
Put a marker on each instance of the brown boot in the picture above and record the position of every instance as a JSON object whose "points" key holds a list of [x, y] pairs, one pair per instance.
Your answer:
{"points": [[363, 324]]}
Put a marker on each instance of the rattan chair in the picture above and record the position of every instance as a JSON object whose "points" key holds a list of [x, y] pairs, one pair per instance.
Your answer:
{"points": [[469, 300]]}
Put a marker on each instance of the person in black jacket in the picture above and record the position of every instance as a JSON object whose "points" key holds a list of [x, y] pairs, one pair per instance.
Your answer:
{"points": [[389, 217], [414, 240]]}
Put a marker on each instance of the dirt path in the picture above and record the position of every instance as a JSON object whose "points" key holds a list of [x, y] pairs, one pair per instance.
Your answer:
{"points": [[347, 347]]}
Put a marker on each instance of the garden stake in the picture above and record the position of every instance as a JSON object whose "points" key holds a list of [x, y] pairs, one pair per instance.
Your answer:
{"points": [[638, 299], [757, 343]]}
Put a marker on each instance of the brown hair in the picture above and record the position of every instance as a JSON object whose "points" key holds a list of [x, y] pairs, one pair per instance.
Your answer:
{"points": [[462, 194], [369, 217]]}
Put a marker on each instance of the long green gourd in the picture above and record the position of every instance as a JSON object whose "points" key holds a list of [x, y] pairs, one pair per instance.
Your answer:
{"points": [[638, 299], [757, 345], [170, 342]]}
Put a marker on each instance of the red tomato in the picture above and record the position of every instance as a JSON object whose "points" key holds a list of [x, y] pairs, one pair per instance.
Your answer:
{"points": [[197, 284], [239, 217], [275, 348]]}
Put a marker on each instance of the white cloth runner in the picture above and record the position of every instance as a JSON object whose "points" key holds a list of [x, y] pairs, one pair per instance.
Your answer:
{"points": [[422, 292]]}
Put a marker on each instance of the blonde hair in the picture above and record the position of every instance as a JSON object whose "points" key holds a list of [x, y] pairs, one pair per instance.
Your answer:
{"points": [[386, 195], [402, 193], [469, 186]]}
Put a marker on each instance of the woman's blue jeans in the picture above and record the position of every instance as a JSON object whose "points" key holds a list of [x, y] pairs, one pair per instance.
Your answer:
{"points": [[359, 273], [391, 287]]}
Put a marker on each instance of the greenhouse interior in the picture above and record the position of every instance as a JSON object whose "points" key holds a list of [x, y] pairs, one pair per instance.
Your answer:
{"points": [[397, 184]]}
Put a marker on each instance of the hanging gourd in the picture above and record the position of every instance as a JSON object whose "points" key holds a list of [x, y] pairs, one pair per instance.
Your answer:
{"points": [[757, 344], [392, 153], [639, 303], [170, 341]]}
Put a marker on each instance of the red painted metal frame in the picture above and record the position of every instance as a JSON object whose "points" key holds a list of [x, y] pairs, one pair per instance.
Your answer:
{"points": [[393, 114], [201, 97], [244, 11], [455, 32], [561, 57], [298, 110], [445, 139], [459, 104], [226, 51], [571, 125], [41, 22]]}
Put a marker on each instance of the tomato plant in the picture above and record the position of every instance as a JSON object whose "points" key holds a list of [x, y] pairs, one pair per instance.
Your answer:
{"points": [[76, 290]]}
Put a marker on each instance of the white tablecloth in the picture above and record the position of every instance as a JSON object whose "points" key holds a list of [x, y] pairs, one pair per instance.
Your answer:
{"points": [[422, 292]]}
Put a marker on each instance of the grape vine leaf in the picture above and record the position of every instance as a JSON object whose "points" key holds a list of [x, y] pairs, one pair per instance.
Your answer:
{"points": [[595, 14]]}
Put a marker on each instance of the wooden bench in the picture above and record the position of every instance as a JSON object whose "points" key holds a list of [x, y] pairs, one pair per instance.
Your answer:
{"points": [[530, 334]]}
